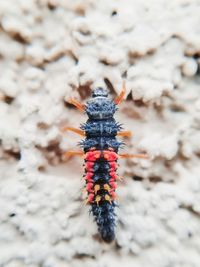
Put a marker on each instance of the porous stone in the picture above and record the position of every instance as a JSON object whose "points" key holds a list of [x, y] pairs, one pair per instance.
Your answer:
{"points": [[51, 50]]}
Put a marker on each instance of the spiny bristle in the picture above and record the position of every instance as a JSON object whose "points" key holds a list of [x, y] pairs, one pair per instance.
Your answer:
{"points": [[104, 216]]}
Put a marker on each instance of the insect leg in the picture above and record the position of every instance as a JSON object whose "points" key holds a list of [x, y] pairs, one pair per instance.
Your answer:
{"points": [[77, 104], [120, 97], [141, 156], [73, 153], [125, 134], [72, 129]]}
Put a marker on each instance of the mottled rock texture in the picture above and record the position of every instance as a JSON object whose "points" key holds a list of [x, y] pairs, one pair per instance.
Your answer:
{"points": [[51, 50]]}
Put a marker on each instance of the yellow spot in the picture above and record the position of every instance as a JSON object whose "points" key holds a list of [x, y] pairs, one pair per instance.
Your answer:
{"points": [[96, 188], [97, 199], [107, 198], [106, 187]]}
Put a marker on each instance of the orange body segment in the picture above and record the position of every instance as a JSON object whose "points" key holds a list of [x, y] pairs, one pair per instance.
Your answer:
{"points": [[92, 155], [110, 155]]}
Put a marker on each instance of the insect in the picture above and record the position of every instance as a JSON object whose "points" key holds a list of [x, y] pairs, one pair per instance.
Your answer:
{"points": [[100, 150]]}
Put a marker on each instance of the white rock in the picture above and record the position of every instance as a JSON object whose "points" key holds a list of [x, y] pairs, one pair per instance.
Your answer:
{"points": [[51, 50], [190, 67]]}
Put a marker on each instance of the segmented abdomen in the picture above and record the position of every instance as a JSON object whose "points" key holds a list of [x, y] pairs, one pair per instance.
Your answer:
{"points": [[100, 174]]}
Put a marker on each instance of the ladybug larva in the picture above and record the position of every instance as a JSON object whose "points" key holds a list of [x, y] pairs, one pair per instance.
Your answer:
{"points": [[100, 149]]}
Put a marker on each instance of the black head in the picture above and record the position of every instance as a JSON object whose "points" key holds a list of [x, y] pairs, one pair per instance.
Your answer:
{"points": [[99, 91], [100, 106]]}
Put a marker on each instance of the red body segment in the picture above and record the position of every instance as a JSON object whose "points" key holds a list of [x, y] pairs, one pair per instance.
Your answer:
{"points": [[113, 195], [90, 198], [110, 155], [88, 176], [90, 158], [113, 185], [89, 166], [89, 186], [113, 165], [92, 155], [93, 188], [113, 175]]}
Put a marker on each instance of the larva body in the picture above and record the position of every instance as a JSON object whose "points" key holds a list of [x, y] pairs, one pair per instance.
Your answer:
{"points": [[101, 148]]}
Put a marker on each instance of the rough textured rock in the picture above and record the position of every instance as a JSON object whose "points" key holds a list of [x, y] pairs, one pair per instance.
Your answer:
{"points": [[51, 50]]}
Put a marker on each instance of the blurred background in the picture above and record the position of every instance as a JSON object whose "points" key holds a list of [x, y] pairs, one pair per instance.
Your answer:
{"points": [[51, 50]]}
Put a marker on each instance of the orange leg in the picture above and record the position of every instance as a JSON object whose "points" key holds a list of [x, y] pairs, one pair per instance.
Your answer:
{"points": [[125, 134], [141, 156], [77, 104], [86, 202], [120, 178], [72, 129], [73, 153], [120, 97]]}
